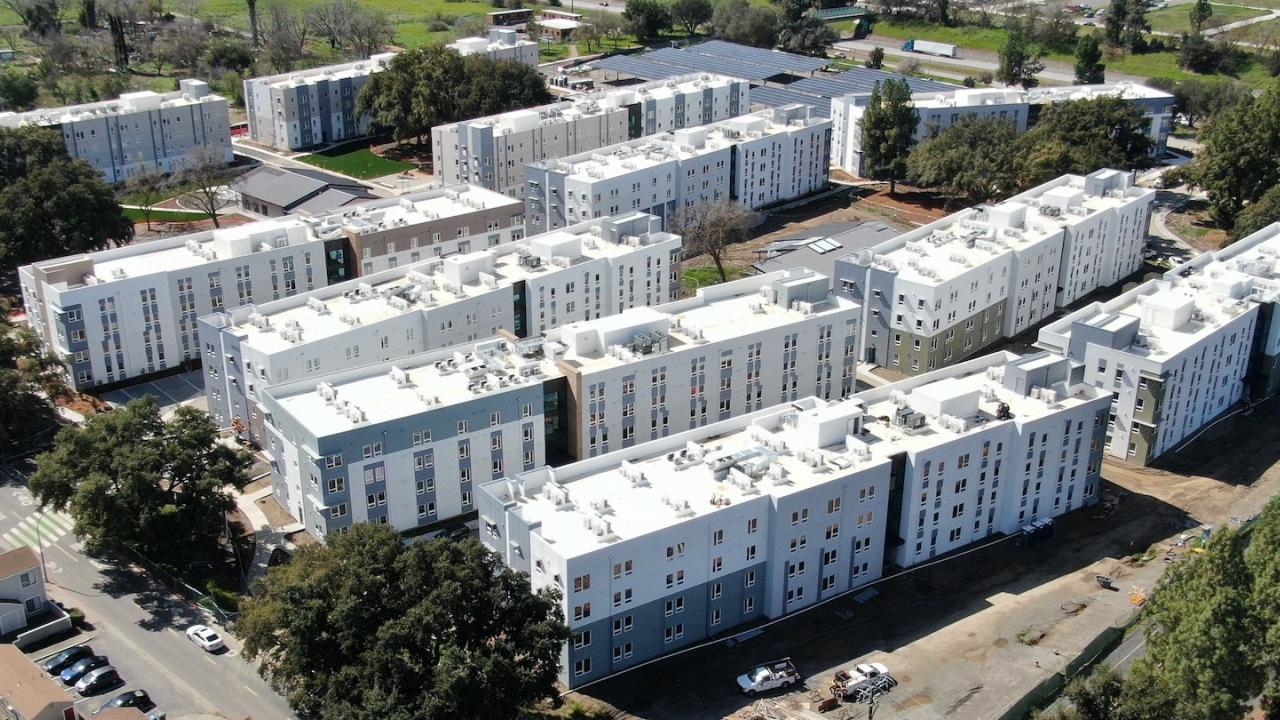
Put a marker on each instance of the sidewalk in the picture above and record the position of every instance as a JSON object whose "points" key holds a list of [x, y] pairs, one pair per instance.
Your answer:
{"points": [[266, 537]]}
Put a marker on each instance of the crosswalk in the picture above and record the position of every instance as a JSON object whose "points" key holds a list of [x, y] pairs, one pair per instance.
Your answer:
{"points": [[37, 529]]}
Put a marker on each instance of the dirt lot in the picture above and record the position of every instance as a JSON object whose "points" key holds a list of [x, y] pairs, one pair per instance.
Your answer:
{"points": [[908, 209], [967, 637]]}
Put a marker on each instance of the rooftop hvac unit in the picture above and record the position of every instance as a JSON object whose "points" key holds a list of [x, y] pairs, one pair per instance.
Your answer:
{"points": [[328, 392], [400, 377], [1050, 210], [317, 305]]}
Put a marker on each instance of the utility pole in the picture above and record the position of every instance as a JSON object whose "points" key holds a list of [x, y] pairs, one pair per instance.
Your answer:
{"points": [[40, 546]]}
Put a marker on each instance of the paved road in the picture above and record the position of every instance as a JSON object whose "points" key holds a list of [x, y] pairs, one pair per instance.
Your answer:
{"points": [[975, 61], [136, 623]]}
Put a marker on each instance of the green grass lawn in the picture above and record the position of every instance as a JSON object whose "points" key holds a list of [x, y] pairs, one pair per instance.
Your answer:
{"points": [[970, 37], [1266, 32], [702, 276], [409, 17], [356, 161], [161, 215], [1177, 19]]}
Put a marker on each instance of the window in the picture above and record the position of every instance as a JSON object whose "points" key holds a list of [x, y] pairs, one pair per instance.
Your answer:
{"points": [[748, 605], [833, 506], [622, 652], [582, 582], [462, 426], [716, 590], [715, 617], [752, 526], [333, 461], [27, 580], [833, 531], [751, 553], [582, 612], [624, 624], [622, 568], [339, 510], [800, 516], [582, 639], [717, 537], [675, 578], [372, 451], [675, 551], [717, 564], [581, 667], [749, 578]]}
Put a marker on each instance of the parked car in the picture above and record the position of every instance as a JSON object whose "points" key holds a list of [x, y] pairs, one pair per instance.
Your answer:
{"points": [[128, 699], [72, 675], [100, 680], [457, 532], [776, 674], [65, 659], [208, 640]]}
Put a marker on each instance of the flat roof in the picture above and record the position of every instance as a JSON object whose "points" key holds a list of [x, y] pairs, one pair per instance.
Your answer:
{"points": [[977, 97], [629, 496], [207, 246], [939, 252], [716, 56], [330, 311], [389, 391], [192, 92], [625, 158], [339, 71]]}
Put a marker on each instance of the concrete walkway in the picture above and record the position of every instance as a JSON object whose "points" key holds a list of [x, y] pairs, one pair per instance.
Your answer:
{"points": [[266, 537]]}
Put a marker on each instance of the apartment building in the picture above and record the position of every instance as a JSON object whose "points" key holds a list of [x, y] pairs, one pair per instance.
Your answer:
{"points": [[1180, 351], [941, 109], [500, 44], [140, 131], [580, 390], [944, 292], [130, 311], [763, 514], [758, 159], [522, 288], [303, 108], [492, 151]]}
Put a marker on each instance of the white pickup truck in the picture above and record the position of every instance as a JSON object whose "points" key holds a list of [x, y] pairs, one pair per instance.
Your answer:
{"points": [[776, 674], [847, 682]]}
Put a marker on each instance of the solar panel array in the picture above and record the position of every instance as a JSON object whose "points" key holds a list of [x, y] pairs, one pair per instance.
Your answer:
{"points": [[861, 80], [637, 67], [714, 56], [777, 97], [784, 62]]}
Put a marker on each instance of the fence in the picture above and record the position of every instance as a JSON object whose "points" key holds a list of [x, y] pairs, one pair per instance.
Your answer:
{"points": [[180, 586], [60, 623]]}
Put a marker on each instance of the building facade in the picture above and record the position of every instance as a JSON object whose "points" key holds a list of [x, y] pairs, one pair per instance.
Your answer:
{"points": [[944, 292], [500, 44], [941, 109], [757, 160], [126, 312], [22, 592], [522, 288], [492, 151], [580, 390], [1180, 351], [689, 536], [301, 109], [140, 131]]}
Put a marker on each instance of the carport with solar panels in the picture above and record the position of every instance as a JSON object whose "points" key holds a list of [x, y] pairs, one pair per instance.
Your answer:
{"points": [[777, 78], [714, 56]]}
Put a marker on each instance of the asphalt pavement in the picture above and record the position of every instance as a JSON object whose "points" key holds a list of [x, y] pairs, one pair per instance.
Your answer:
{"points": [[136, 622]]}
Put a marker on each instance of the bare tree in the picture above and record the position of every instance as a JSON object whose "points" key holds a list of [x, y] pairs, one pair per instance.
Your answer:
{"points": [[146, 189], [285, 40], [205, 176], [184, 44], [710, 227], [370, 31], [332, 21]]}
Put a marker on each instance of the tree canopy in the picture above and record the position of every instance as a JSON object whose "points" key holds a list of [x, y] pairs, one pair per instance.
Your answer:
{"points": [[1212, 632], [367, 628], [30, 377], [1089, 66], [34, 170], [689, 14], [1240, 156], [975, 160], [1081, 136], [741, 22], [434, 86], [127, 476], [888, 131], [801, 32], [709, 228], [1019, 61], [646, 19]]}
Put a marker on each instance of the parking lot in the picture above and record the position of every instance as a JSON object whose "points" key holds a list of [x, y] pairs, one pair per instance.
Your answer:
{"points": [[183, 389]]}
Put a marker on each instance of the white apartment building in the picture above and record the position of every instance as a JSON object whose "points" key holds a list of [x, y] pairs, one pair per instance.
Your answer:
{"points": [[492, 151], [943, 292], [1180, 351], [689, 536], [501, 44], [130, 311], [317, 106], [599, 385], [758, 159], [522, 288], [140, 131], [734, 348], [940, 110]]}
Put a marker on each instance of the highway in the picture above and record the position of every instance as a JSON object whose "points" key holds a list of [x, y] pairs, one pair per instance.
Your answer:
{"points": [[135, 622]]}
